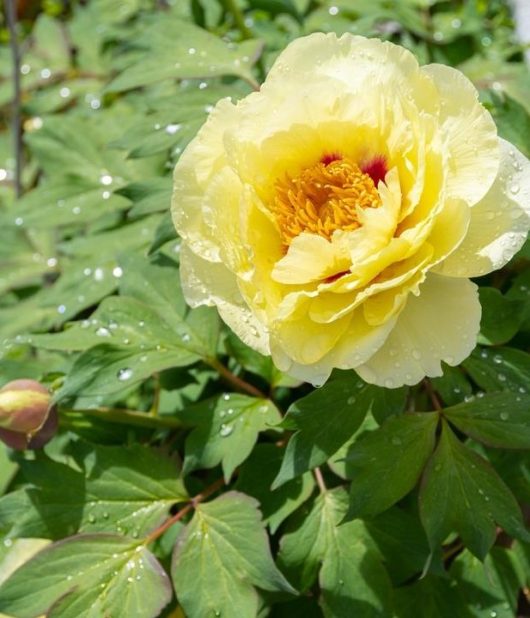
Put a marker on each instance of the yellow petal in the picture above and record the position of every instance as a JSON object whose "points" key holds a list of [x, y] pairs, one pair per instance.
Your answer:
{"points": [[470, 133], [208, 283], [311, 258], [499, 222], [440, 324]]}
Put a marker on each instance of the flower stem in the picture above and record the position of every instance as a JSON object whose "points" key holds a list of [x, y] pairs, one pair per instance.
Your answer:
{"points": [[126, 417], [11, 19], [320, 480], [235, 381], [231, 7], [183, 511], [434, 397]]}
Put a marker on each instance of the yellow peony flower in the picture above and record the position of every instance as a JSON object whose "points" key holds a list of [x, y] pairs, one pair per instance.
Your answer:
{"points": [[335, 216]]}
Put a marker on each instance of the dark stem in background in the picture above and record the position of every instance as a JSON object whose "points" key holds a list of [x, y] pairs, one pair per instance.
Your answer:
{"points": [[11, 19]]}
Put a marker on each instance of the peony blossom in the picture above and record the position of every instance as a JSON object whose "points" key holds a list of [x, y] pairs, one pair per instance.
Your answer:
{"points": [[335, 217]]}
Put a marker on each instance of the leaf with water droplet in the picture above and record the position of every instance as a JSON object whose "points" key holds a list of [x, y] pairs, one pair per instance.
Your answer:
{"points": [[218, 572], [450, 498], [385, 464], [67, 578], [327, 418], [226, 433], [496, 419]]}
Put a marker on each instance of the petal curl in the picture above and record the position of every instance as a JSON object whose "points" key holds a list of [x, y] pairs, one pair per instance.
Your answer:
{"points": [[499, 222], [470, 133], [440, 324], [209, 283]]}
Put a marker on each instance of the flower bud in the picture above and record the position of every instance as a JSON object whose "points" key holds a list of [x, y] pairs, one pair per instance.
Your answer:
{"points": [[26, 418]]}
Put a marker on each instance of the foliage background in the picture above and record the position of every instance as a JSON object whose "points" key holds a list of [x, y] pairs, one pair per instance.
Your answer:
{"points": [[171, 430]]}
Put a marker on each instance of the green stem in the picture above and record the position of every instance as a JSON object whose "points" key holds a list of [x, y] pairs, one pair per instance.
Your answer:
{"points": [[238, 383], [184, 511], [232, 8], [125, 417]]}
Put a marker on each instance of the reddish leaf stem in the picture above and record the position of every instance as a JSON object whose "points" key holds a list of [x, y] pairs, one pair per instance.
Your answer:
{"points": [[184, 511]]}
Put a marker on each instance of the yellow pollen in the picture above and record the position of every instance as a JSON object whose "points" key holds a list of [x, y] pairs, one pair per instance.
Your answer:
{"points": [[323, 198]]}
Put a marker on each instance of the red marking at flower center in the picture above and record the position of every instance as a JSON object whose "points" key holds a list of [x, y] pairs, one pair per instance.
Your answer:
{"points": [[333, 278], [376, 168], [330, 157]]}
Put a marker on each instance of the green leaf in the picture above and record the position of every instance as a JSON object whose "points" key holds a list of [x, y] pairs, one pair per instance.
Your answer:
{"points": [[462, 492], [498, 419], [453, 386], [226, 431], [401, 541], [325, 419], [179, 50], [386, 464], [491, 587], [352, 579], [129, 487], [123, 489], [88, 575], [219, 558], [500, 369], [255, 479], [513, 121], [435, 597], [501, 317]]}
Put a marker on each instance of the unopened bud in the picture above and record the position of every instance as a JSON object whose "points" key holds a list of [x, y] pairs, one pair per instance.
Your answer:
{"points": [[26, 418]]}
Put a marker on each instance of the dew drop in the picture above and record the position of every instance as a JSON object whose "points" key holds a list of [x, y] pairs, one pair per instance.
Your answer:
{"points": [[171, 129], [19, 221], [226, 430], [504, 416], [514, 189], [61, 309], [117, 272], [396, 441], [103, 332], [92, 519], [351, 400], [124, 374]]}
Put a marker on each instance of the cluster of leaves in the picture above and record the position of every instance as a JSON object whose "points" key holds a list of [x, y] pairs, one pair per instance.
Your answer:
{"points": [[189, 476]]}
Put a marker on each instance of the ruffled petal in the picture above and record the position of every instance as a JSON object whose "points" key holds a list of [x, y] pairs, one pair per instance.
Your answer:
{"points": [[499, 222], [470, 133], [440, 324], [311, 258], [208, 283]]}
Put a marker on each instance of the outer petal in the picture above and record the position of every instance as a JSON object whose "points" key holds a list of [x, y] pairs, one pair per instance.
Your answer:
{"points": [[442, 323], [499, 222], [202, 160], [470, 132], [207, 283]]}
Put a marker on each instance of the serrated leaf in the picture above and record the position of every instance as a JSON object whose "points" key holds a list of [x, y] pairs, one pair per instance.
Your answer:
{"points": [[385, 464], [462, 492], [226, 431], [85, 576], [124, 489], [352, 578], [435, 597], [255, 479], [325, 419], [490, 587], [179, 50], [498, 419], [501, 316], [219, 558], [500, 369]]}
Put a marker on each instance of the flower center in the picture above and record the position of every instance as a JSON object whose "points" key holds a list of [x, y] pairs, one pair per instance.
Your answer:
{"points": [[323, 198]]}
